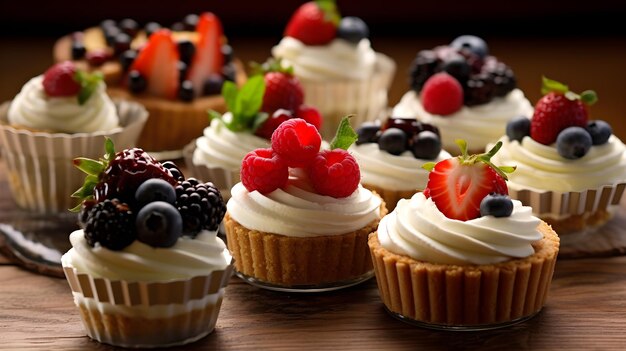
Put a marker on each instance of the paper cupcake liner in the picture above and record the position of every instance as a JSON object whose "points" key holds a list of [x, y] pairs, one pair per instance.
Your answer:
{"points": [[391, 197], [40, 170], [224, 179], [473, 296], [365, 99]]}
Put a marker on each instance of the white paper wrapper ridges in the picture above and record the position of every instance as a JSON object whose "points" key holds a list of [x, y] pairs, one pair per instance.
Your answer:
{"points": [[224, 179]]}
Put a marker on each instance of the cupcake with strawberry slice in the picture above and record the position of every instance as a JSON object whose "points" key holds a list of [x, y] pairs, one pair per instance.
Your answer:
{"points": [[571, 169], [462, 255], [299, 219], [333, 58]]}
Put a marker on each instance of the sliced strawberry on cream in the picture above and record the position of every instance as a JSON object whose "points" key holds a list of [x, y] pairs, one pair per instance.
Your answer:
{"points": [[158, 64], [208, 58]]}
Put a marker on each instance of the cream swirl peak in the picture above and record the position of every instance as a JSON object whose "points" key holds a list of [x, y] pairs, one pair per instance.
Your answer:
{"points": [[418, 229]]}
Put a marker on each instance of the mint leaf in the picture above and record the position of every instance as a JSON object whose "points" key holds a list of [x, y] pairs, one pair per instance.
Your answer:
{"points": [[109, 148], [260, 118], [88, 85], [329, 8], [214, 115], [589, 97], [251, 96], [230, 94], [429, 166], [89, 166], [345, 135], [549, 85]]}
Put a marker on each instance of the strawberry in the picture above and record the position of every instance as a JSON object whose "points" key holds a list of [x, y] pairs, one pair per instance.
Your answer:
{"points": [[558, 109], [60, 80], [208, 58], [282, 88], [157, 62], [458, 185], [314, 23]]}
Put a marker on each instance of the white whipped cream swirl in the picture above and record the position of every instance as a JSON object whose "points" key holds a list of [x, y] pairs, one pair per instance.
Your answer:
{"points": [[416, 228], [141, 262], [32, 108]]}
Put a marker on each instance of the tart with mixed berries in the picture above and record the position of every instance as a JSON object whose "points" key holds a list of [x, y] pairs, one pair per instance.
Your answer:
{"points": [[571, 169], [146, 268], [462, 254], [391, 156], [299, 219], [464, 91]]}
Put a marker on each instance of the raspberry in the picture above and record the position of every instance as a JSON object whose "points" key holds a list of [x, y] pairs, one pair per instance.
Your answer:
{"points": [[200, 204], [112, 224], [268, 127], [60, 80], [296, 141], [311, 115], [264, 171], [335, 173], [442, 94], [282, 90]]}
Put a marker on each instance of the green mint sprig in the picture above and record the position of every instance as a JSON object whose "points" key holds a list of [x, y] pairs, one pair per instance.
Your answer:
{"points": [[244, 104], [588, 97], [88, 84], [345, 135], [94, 170]]}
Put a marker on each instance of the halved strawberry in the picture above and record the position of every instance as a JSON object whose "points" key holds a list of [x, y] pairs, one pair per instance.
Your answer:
{"points": [[158, 63], [458, 185], [314, 23], [208, 58]]}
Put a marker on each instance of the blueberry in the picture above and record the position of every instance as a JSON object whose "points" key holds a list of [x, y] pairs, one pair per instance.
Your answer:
{"points": [[110, 33], [155, 189], [151, 27], [573, 142], [227, 52], [517, 128], [186, 49], [457, 66], [136, 82], [229, 72], [472, 43], [190, 22], [159, 224], [78, 50], [367, 133], [121, 43], [213, 84], [107, 23], [352, 29], [127, 58], [177, 27], [410, 126], [431, 128], [393, 140], [496, 205], [426, 145], [182, 71], [129, 26], [185, 92], [600, 131]]}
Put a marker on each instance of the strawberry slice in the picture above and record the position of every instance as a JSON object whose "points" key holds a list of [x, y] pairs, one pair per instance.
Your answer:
{"points": [[208, 58], [458, 185], [158, 63]]}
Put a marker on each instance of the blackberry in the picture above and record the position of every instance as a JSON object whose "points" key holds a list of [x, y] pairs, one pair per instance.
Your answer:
{"points": [[425, 64], [201, 206], [479, 89], [112, 224], [503, 76], [174, 170], [85, 209]]}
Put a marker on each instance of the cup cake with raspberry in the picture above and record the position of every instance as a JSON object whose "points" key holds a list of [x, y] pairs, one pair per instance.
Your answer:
{"points": [[571, 169], [176, 73], [462, 255], [57, 116], [333, 58], [391, 157], [299, 219], [464, 91], [254, 112], [146, 269]]}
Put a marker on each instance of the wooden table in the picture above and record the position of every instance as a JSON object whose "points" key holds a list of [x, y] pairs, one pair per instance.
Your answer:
{"points": [[586, 308]]}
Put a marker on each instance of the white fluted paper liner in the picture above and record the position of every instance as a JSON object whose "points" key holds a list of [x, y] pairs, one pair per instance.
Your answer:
{"points": [[365, 99], [40, 170], [148, 314], [224, 179]]}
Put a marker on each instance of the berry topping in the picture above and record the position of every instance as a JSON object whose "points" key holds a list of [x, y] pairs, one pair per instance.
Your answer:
{"points": [[129, 26], [457, 66], [458, 185], [158, 63], [425, 145], [573, 142], [213, 85], [127, 58], [185, 92], [335, 173], [63, 79], [496, 205], [208, 56], [558, 109], [110, 223], [310, 114], [159, 224], [314, 23], [174, 170], [518, 128], [472, 43], [155, 190], [191, 21], [78, 50], [186, 50], [263, 170], [393, 140], [121, 43], [600, 131], [227, 52], [479, 89], [425, 64], [296, 142], [367, 133], [352, 29], [201, 206], [442, 94], [98, 57], [151, 27], [137, 82], [282, 88], [269, 126]]}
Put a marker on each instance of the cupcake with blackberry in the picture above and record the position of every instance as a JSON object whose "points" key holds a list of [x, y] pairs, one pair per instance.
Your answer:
{"points": [[333, 58], [464, 91], [571, 169], [299, 219], [55, 117], [391, 157], [147, 268], [462, 255]]}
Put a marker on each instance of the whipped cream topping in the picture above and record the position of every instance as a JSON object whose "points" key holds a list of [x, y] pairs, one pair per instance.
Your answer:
{"points": [[337, 60], [540, 167], [32, 108], [296, 210], [478, 125], [141, 262], [221, 147], [416, 228], [393, 172]]}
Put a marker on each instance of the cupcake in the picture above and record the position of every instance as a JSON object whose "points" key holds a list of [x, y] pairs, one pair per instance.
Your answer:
{"points": [[55, 117], [254, 112], [176, 73], [464, 91], [147, 268], [571, 170], [391, 157], [462, 254], [333, 58], [299, 219]]}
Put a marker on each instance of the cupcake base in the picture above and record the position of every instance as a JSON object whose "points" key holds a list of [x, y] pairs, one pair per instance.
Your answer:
{"points": [[577, 224]]}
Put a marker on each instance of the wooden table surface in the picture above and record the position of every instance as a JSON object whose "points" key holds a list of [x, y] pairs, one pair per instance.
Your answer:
{"points": [[586, 308]]}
